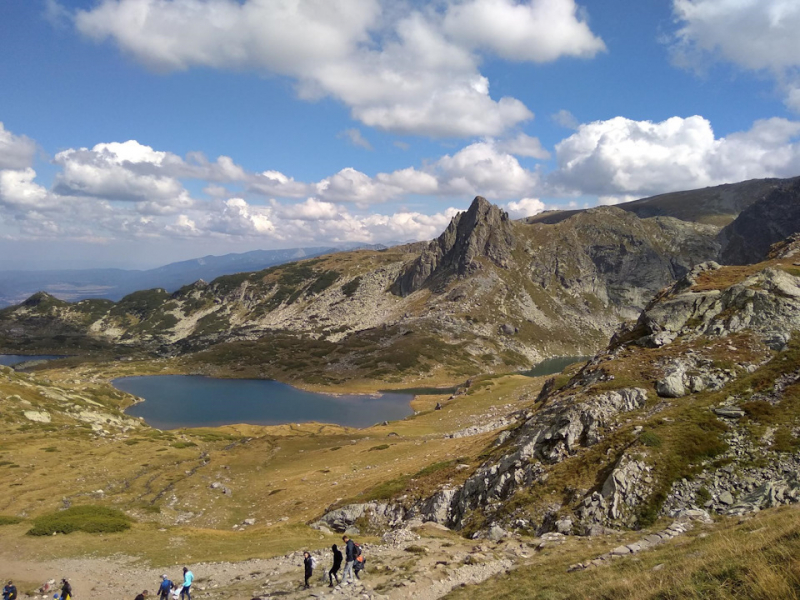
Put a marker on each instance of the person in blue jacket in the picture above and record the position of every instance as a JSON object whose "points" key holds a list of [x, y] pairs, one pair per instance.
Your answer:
{"points": [[165, 588], [10, 591], [188, 578]]}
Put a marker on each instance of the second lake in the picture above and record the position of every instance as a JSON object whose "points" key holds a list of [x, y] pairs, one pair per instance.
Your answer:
{"points": [[174, 401]]}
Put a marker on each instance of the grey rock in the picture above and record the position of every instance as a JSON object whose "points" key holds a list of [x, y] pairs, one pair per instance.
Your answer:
{"points": [[496, 533], [729, 412], [671, 386]]}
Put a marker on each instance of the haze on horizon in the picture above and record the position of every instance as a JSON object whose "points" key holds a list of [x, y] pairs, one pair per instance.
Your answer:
{"points": [[136, 133]]}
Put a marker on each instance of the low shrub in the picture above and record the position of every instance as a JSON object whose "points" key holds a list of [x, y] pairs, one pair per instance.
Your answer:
{"points": [[6, 520], [183, 445], [90, 519], [650, 439]]}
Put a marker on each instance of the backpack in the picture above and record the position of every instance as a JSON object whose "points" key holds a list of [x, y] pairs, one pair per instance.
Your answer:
{"points": [[166, 586], [358, 550], [313, 562]]}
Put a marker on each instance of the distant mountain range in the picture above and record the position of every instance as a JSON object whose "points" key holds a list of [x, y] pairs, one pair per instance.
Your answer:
{"points": [[113, 284]]}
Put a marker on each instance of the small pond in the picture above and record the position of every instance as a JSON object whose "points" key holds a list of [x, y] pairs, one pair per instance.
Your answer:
{"points": [[173, 401], [552, 366]]}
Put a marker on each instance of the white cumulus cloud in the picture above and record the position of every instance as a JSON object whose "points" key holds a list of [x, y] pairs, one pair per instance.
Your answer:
{"points": [[625, 157], [537, 30], [757, 35], [16, 151], [524, 145], [404, 69], [525, 207]]}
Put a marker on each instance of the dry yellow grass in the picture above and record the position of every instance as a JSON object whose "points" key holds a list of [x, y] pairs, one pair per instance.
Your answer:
{"points": [[160, 478], [736, 559]]}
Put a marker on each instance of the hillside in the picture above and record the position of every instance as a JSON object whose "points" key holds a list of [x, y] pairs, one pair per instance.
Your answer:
{"points": [[688, 417], [488, 294], [693, 406], [113, 284], [718, 205]]}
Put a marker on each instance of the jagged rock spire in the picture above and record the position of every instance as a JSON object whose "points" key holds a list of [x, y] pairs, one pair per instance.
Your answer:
{"points": [[484, 230]]}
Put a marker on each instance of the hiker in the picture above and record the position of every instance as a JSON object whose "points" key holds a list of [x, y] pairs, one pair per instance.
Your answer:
{"points": [[165, 588], [337, 564], [358, 566], [10, 591], [349, 558], [142, 596], [188, 578], [66, 590], [308, 563]]}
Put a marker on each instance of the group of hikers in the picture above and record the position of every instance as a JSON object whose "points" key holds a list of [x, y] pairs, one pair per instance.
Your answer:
{"points": [[353, 563], [353, 558], [168, 589], [10, 591]]}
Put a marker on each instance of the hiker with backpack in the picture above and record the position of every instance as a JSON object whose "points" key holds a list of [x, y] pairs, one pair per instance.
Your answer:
{"points": [[358, 566], [66, 590], [337, 564], [164, 588], [309, 563], [10, 591]]}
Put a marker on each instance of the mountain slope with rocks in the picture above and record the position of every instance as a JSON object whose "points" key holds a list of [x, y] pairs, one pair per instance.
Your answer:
{"points": [[695, 406], [489, 293]]}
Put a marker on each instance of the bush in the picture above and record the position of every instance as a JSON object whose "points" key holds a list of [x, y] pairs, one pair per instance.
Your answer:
{"points": [[650, 439], [4, 520], [180, 445], [90, 519], [350, 288]]}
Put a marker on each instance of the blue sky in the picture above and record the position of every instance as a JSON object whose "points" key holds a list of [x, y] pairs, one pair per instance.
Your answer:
{"points": [[138, 132]]}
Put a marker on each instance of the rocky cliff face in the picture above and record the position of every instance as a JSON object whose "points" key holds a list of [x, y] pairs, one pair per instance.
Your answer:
{"points": [[483, 231], [774, 217]]}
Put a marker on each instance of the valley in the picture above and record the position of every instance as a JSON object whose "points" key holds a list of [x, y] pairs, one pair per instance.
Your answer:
{"points": [[662, 464]]}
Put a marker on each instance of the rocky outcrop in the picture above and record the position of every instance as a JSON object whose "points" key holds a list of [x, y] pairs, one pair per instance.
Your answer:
{"points": [[628, 485], [773, 218], [544, 438], [377, 514], [483, 231], [767, 303], [691, 375]]}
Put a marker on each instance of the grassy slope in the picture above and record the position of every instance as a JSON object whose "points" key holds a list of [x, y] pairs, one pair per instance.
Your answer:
{"points": [[749, 558], [293, 471]]}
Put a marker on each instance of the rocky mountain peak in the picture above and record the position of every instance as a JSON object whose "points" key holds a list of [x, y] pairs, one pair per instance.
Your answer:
{"points": [[483, 231]]}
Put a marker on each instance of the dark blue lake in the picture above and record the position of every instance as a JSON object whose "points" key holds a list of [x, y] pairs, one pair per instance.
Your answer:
{"points": [[173, 401], [552, 366], [13, 359]]}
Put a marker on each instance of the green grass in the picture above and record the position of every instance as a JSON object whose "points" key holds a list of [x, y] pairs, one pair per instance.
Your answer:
{"points": [[650, 439], [6, 520], [90, 519]]}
